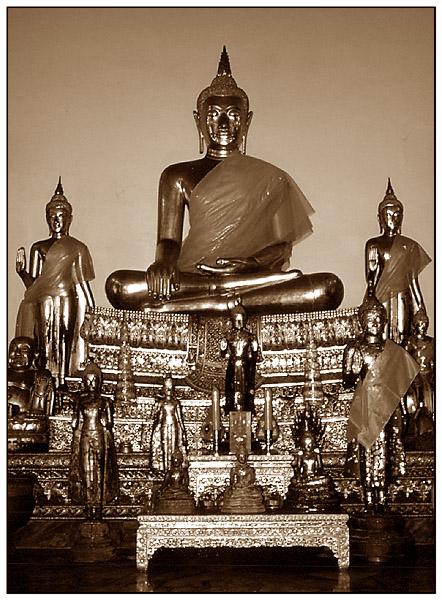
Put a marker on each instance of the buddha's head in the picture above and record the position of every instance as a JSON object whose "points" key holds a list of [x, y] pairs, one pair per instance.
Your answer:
{"points": [[168, 386], [58, 213], [177, 457], [21, 353], [308, 441], [420, 322], [390, 212], [238, 316], [222, 116], [372, 316], [92, 377]]}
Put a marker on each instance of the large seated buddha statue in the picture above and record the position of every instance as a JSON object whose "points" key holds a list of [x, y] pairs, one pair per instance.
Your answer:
{"points": [[245, 215]]}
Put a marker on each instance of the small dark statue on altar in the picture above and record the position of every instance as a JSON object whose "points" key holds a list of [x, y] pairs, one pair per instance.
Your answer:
{"points": [[174, 497], [168, 431], [242, 496], [30, 399], [93, 472], [310, 489], [383, 371], [240, 346], [418, 403]]}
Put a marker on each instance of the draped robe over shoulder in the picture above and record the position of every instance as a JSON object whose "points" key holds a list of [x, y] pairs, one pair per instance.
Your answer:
{"points": [[240, 207], [67, 265], [407, 260]]}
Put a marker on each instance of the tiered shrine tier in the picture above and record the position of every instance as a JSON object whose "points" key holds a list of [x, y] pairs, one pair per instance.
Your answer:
{"points": [[188, 347]]}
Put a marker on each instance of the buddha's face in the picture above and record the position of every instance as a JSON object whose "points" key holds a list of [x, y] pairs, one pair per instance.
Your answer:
{"points": [[390, 218], [374, 322], [20, 354], [308, 443], [224, 121], [91, 382], [421, 327], [59, 220]]}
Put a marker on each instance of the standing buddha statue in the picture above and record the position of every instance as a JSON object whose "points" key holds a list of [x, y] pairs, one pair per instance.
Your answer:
{"points": [[245, 215], [57, 292], [392, 266]]}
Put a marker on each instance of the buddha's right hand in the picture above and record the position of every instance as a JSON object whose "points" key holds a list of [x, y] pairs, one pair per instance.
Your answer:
{"points": [[20, 260], [162, 279]]}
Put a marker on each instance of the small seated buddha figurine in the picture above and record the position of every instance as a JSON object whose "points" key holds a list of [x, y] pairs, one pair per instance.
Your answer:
{"points": [[242, 496], [393, 263], [240, 346], [310, 489], [383, 371], [245, 215], [21, 373], [174, 497], [28, 408], [57, 292]]}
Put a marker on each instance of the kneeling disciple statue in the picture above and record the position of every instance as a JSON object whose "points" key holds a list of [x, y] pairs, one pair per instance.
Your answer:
{"points": [[57, 292], [245, 215], [383, 371], [93, 472], [174, 497], [242, 496]]}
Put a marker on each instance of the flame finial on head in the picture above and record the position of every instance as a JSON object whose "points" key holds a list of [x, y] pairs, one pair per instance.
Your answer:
{"points": [[59, 200], [223, 84]]}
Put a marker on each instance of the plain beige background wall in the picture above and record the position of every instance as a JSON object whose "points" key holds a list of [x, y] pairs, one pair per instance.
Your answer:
{"points": [[342, 100]]}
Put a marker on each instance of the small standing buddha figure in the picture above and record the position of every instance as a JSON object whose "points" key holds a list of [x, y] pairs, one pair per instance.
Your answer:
{"points": [[245, 215], [240, 346], [383, 372], [242, 496]]}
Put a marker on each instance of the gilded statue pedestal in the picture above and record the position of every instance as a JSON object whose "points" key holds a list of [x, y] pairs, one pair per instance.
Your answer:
{"points": [[92, 543], [242, 531]]}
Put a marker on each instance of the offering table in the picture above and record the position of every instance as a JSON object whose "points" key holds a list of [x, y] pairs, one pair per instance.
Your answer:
{"points": [[242, 531]]}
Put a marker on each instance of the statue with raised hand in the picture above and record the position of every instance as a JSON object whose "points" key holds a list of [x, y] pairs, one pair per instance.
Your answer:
{"points": [[57, 292], [245, 215]]}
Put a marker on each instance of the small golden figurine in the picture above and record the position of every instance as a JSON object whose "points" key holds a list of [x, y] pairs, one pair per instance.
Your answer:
{"points": [[421, 347], [57, 292], [242, 496], [392, 266], [168, 431], [245, 215], [30, 399], [93, 471], [240, 346], [174, 497], [383, 371], [310, 490]]}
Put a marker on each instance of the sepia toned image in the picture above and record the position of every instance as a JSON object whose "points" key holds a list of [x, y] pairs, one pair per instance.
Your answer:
{"points": [[221, 299]]}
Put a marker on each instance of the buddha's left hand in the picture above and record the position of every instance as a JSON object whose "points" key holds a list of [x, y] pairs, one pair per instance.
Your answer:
{"points": [[229, 266]]}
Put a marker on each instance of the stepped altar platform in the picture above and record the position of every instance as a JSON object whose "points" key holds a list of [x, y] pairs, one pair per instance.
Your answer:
{"points": [[188, 347]]}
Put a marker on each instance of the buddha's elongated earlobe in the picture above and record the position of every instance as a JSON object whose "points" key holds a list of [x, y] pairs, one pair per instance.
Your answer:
{"points": [[196, 116]]}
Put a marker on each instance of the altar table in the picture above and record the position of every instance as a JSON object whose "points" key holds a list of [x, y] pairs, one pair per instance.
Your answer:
{"points": [[242, 531]]}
